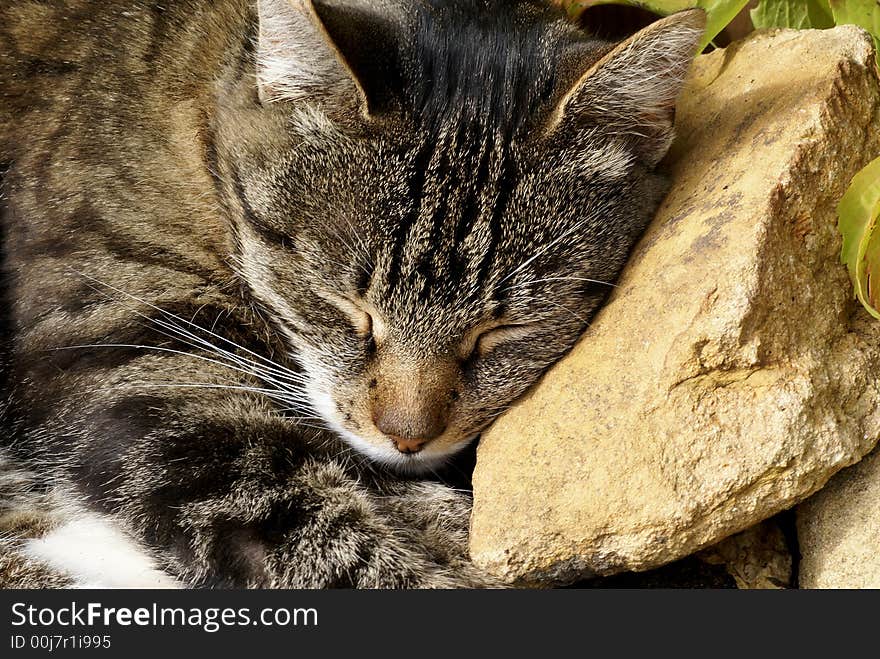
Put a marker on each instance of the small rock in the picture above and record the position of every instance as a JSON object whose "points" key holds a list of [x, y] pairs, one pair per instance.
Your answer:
{"points": [[730, 375], [757, 558], [839, 530]]}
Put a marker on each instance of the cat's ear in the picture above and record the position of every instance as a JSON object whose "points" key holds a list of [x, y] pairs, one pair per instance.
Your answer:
{"points": [[323, 50], [633, 89]]}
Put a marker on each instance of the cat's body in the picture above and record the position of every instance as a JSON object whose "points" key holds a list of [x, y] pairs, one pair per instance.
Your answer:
{"points": [[230, 224]]}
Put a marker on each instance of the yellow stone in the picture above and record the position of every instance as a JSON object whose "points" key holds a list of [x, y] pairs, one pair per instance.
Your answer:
{"points": [[730, 375]]}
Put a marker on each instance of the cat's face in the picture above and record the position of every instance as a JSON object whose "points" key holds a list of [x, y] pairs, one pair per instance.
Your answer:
{"points": [[428, 267]]}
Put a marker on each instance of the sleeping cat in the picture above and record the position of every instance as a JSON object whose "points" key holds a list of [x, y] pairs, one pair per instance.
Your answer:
{"points": [[271, 263]]}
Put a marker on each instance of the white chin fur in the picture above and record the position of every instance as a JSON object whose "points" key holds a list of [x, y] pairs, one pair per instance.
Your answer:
{"points": [[413, 463]]}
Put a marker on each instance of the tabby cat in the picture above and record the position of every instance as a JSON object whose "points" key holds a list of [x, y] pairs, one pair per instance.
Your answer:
{"points": [[271, 263]]}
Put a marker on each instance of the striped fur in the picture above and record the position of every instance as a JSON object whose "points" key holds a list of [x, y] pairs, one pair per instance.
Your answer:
{"points": [[255, 288]]}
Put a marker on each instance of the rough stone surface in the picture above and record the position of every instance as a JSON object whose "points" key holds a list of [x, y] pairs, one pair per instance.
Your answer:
{"points": [[839, 530], [757, 558], [730, 375]]}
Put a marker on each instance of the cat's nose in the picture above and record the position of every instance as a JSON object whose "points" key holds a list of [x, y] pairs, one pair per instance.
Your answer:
{"points": [[410, 430], [409, 445]]}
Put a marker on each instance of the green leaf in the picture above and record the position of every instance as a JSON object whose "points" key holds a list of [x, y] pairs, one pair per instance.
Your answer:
{"points": [[718, 12], [797, 14], [864, 13], [860, 207], [857, 214]]}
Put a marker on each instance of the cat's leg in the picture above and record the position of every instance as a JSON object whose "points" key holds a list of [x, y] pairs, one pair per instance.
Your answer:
{"points": [[198, 465], [241, 498]]}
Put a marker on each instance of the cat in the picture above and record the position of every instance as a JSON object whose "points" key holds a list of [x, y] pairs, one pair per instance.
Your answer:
{"points": [[271, 263]]}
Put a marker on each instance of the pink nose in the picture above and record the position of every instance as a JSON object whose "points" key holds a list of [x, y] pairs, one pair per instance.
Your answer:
{"points": [[408, 445], [409, 430]]}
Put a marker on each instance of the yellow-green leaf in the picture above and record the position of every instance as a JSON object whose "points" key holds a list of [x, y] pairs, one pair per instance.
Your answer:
{"points": [[857, 220], [864, 13], [719, 13], [796, 14]]}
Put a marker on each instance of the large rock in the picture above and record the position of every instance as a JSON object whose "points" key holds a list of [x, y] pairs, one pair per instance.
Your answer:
{"points": [[839, 530], [730, 375]]}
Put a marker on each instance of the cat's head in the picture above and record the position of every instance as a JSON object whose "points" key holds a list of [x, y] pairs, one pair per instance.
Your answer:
{"points": [[431, 198]]}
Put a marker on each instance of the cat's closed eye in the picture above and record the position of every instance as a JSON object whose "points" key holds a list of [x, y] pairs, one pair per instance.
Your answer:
{"points": [[491, 338], [364, 319]]}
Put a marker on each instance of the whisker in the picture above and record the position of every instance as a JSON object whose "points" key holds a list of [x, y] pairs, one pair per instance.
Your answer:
{"points": [[184, 385], [539, 253], [161, 349], [254, 368], [173, 316], [286, 382], [276, 369], [269, 393], [563, 307], [546, 279]]}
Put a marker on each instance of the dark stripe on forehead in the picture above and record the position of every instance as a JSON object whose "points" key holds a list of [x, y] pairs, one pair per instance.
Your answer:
{"points": [[505, 185], [483, 184], [431, 242], [445, 186], [450, 179], [448, 249], [478, 187], [415, 189], [471, 208]]}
